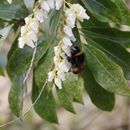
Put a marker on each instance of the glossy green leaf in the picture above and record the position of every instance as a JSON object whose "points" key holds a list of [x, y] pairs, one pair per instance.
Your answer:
{"points": [[45, 107], [41, 51], [108, 10], [114, 35], [114, 51], [78, 90], [12, 11], [124, 11], [43, 67], [99, 96], [107, 74], [66, 94], [15, 95], [20, 61], [54, 23], [72, 90]]}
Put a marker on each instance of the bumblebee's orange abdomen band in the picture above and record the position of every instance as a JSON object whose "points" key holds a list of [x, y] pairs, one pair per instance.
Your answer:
{"points": [[79, 54]]}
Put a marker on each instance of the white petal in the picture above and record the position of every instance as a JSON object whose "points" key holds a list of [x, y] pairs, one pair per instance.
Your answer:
{"points": [[24, 30], [34, 25], [45, 6], [64, 66], [73, 38], [70, 18], [57, 50], [21, 42], [66, 49], [66, 41], [39, 15], [31, 44], [61, 75], [70, 21], [56, 60], [51, 4], [28, 19], [68, 31], [58, 83], [9, 1], [82, 15], [51, 76], [32, 36], [80, 12], [58, 4]]}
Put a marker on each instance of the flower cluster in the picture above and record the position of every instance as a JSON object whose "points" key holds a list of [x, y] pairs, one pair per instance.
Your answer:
{"points": [[61, 65], [29, 32]]}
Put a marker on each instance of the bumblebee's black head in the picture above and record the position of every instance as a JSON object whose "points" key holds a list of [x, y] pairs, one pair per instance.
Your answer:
{"points": [[74, 49]]}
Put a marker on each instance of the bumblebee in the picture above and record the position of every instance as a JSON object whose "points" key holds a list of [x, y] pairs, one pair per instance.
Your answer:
{"points": [[76, 59]]}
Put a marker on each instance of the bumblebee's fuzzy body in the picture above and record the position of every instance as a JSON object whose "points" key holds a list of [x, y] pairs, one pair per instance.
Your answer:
{"points": [[76, 59]]}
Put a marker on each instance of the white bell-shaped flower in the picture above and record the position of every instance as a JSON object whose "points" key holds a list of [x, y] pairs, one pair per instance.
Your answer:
{"points": [[64, 66], [58, 83], [41, 15], [21, 42], [80, 12], [68, 31], [61, 75], [56, 60], [9, 1], [45, 6], [70, 18], [66, 50], [51, 76], [34, 25], [57, 50], [58, 4], [28, 19], [24, 30], [51, 4], [66, 41]]}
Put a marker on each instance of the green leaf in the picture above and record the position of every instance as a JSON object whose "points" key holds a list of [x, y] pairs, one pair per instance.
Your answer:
{"points": [[72, 90], [78, 90], [15, 95], [43, 67], [45, 107], [51, 25], [114, 51], [125, 13], [13, 48], [66, 94], [99, 96], [54, 23], [107, 74], [41, 51], [108, 10], [107, 33], [1, 71], [20, 61], [12, 11], [103, 10]]}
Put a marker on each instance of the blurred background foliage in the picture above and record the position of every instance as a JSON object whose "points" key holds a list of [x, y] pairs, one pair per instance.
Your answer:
{"points": [[88, 117]]}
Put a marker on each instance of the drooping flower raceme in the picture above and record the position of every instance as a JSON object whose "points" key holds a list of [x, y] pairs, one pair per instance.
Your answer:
{"points": [[29, 32], [61, 65]]}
